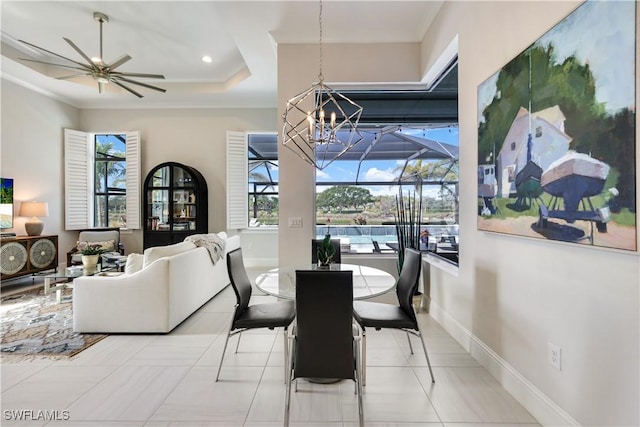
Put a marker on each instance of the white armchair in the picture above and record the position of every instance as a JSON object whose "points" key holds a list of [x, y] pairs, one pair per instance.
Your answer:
{"points": [[107, 237]]}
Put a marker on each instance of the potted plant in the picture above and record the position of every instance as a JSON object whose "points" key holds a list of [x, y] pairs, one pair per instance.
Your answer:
{"points": [[91, 254], [408, 220], [326, 251]]}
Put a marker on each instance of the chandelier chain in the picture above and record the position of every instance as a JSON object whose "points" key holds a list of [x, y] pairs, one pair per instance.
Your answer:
{"points": [[320, 76]]}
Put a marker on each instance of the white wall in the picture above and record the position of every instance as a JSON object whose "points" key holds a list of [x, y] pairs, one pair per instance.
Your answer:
{"points": [[298, 67], [32, 154], [195, 137], [514, 295]]}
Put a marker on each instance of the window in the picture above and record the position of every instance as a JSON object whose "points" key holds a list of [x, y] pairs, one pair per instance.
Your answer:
{"points": [[102, 180], [263, 179], [252, 180], [538, 131], [110, 172], [356, 194]]}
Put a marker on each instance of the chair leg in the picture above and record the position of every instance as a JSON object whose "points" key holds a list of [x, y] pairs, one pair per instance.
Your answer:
{"points": [[364, 357], [286, 353], [226, 341], [424, 347], [287, 403], [410, 346], [238, 343], [359, 384]]}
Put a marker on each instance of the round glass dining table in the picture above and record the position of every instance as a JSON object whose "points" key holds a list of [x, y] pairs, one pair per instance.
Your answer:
{"points": [[368, 282]]}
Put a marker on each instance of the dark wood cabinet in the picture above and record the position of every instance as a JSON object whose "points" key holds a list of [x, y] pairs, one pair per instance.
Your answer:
{"points": [[175, 204], [23, 255]]}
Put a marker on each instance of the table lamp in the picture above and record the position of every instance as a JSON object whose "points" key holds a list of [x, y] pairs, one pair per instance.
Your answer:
{"points": [[34, 226]]}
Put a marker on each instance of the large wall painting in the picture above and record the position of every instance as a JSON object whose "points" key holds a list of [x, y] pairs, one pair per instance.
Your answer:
{"points": [[557, 133]]}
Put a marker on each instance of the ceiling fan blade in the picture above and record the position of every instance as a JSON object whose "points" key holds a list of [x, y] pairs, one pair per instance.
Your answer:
{"points": [[77, 49], [148, 86], [148, 76], [51, 53], [118, 62], [72, 76], [127, 88], [83, 68]]}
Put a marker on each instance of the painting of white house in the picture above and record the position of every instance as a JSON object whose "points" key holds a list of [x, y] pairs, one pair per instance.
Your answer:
{"points": [[557, 137]]}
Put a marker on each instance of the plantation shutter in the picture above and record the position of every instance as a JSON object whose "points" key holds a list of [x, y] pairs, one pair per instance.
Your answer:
{"points": [[77, 173], [237, 181], [132, 180]]}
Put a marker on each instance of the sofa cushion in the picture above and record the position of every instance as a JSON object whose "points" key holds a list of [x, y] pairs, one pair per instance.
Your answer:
{"points": [[157, 252], [134, 263]]}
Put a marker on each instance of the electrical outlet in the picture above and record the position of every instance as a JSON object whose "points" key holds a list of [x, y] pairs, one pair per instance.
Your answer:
{"points": [[555, 355]]}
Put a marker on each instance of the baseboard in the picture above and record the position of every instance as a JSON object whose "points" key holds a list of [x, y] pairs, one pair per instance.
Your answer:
{"points": [[543, 409]]}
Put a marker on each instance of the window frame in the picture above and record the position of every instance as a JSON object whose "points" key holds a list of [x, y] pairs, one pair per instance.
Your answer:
{"points": [[79, 154]]}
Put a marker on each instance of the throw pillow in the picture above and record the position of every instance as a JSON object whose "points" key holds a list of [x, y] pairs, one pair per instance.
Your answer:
{"points": [[107, 246], [134, 263], [157, 252]]}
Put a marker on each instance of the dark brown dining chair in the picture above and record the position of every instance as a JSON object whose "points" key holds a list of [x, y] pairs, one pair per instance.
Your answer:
{"points": [[245, 316], [325, 342], [378, 315]]}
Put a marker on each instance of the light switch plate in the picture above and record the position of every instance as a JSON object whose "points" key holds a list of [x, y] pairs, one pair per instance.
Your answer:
{"points": [[295, 222]]}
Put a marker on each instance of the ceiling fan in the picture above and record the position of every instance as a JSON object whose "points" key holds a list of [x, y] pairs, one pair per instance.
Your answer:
{"points": [[95, 67]]}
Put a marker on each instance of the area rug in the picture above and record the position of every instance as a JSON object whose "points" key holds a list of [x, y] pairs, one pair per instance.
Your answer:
{"points": [[33, 324]]}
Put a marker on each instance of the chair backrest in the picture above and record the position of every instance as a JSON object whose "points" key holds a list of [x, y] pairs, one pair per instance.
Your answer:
{"points": [[408, 281], [100, 236], [324, 325], [239, 280], [376, 246], [316, 243]]}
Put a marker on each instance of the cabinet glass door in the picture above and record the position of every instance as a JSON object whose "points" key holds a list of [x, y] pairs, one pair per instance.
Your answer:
{"points": [[158, 209], [181, 178], [161, 177], [184, 210]]}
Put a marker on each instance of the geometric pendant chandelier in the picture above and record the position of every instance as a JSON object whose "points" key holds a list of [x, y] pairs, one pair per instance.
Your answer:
{"points": [[321, 124]]}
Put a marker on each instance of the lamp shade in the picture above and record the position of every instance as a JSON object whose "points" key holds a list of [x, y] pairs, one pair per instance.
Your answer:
{"points": [[34, 226], [34, 209]]}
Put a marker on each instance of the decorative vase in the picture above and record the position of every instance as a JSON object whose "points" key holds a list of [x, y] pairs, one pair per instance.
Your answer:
{"points": [[90, 261]]}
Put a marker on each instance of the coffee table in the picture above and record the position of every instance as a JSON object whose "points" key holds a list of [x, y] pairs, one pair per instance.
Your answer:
{"points": [[63, 278]]}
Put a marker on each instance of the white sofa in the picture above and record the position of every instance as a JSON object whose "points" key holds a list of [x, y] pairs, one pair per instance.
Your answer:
{"points": [[175, 281]]}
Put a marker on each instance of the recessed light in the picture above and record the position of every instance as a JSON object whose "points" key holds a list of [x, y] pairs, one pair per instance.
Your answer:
{"points": [[207, 59]]}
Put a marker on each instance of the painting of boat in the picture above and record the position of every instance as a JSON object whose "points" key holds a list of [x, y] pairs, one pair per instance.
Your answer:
{"points": [[558, 124], [573, 177]]}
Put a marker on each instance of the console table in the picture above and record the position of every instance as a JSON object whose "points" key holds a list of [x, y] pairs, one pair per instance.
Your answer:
{"points": [[24, 255]]}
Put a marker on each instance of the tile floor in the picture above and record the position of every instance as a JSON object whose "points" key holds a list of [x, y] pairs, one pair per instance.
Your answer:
{"points": [[168, 380]]}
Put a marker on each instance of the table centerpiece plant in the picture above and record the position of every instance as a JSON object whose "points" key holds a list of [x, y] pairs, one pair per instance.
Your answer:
{"points": [[326, 251]]}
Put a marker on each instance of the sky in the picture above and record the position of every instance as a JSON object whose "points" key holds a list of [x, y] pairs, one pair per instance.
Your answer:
{"points": [[600, 33], [384, 170]]}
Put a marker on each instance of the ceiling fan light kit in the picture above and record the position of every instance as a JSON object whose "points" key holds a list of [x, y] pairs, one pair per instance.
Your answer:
{"points": [[95, 67]]}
